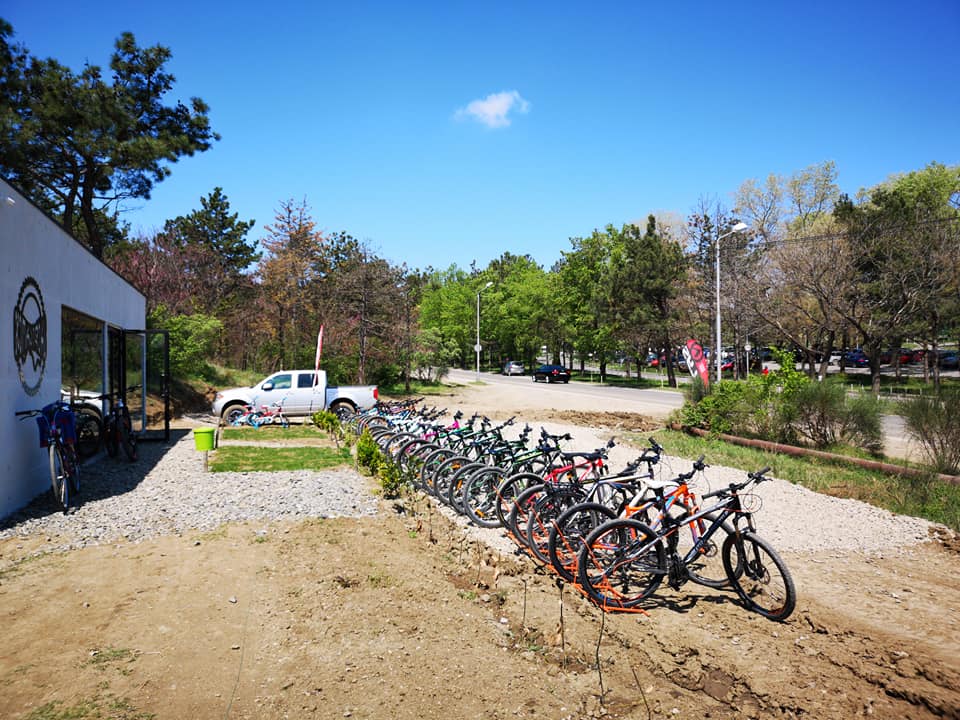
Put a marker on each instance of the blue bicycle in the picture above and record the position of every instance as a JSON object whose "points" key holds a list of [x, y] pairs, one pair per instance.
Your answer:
{"points": [[57, 424]]}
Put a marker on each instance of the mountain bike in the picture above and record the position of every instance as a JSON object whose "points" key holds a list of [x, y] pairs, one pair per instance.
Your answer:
{"points": [[624, 561], [117, 426], [534, 508], [58, 434]]}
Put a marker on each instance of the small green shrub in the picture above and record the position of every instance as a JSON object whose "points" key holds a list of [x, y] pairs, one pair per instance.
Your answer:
{"points": [[934, 422], [368, 452], [720, 411], [826, 416]]}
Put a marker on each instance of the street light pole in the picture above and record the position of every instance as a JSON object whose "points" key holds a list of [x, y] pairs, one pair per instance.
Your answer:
{"points": [[717, 352], [477, 347]]}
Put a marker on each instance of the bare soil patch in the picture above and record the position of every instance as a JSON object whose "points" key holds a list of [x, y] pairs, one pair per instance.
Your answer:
{"points": [[407, 616]]}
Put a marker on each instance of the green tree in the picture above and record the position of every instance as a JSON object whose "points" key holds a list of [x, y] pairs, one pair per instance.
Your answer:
{"points": [[80, 146], [214, 228], [894, 284], [585, 299], [646, 275]]}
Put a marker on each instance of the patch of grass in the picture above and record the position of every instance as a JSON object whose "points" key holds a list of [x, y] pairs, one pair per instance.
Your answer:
{"points": [[273, 459], [273, 432], [110, 657], [397, 391], [18, 566], [379, 580], [95, 708], [928, 499], [219, 534]]}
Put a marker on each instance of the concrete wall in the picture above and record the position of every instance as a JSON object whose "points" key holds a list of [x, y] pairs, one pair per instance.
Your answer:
{"points": [[64, 273]]}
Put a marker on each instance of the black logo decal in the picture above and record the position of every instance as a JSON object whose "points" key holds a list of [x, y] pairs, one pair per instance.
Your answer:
{"points": [[30, 336]]}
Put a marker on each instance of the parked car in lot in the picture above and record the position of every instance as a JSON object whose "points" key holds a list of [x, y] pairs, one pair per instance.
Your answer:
{"points": [[857, 358], [949, 360], [513, 368], [551, 374]]}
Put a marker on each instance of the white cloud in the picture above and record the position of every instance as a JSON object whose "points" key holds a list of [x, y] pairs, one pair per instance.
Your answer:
{"points": [[494, 110]]}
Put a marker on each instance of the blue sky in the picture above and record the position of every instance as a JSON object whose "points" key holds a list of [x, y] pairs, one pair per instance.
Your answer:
{"points": [[451, 132]]}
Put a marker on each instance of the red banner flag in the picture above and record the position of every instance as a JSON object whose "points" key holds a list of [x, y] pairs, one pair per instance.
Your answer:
{"points": [[696, 362], [316, 369]]}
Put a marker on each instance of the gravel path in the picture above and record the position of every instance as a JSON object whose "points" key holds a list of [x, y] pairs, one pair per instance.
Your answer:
{"points": [[167, 491]]}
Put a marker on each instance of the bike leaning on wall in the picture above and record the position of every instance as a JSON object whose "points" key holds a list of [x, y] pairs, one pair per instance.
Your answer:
{"points": [[58, 434], [117, 427]]}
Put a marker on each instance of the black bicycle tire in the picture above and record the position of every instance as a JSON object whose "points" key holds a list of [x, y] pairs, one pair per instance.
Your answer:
{"points": [[407, 451], [454, 488], [443, 475], [605, 547], [716, 576], [479, 498], [517, 520], [507, 493], [110, 439], [58, 476], [780, 609], [127, 439], [568, 532], [430, 464], [74, 460], [541, 516], [89, 432]]}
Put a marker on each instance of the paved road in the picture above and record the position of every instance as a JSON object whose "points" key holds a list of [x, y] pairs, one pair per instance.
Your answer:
{"points": [[581, 395], [653, 402]]}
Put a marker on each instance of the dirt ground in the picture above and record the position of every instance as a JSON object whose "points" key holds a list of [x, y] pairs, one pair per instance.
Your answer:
{"points": [[406, 616]]}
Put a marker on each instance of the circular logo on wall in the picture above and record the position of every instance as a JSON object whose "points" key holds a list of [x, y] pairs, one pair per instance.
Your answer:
{"points": [[30, 336]]}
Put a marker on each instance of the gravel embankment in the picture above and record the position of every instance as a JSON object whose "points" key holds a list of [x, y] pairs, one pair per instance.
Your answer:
{"points": [[167, 492]]}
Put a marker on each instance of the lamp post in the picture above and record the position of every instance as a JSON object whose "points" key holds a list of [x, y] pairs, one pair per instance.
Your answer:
{"points": [[739, 227], [477, 347]]}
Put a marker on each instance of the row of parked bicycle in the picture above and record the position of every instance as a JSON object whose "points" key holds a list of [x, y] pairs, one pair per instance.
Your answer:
{"points": [[616, 535]]}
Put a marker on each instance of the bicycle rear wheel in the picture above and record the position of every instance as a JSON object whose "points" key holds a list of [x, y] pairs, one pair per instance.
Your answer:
{"points": [[89, 430], [621, 563], [519, 513], [568, 533], [58, 476], [443, 476], [763, 582], [541, 516], [706, 567], [509, 490]]}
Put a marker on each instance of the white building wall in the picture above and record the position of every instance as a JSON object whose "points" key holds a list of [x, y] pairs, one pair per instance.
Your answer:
{"points": [[33, 246]]}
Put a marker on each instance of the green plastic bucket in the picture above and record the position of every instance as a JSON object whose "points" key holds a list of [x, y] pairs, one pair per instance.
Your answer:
{"points": [[203, 437]]}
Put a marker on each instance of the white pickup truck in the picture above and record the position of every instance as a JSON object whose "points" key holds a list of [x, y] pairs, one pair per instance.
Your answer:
{"points": [[300, 393]]}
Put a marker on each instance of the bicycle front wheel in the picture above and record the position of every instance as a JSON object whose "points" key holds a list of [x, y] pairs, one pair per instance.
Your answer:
{"points": [[58, 476], [127, 438], [759, 576], [111, 438], [621, 563], [479, 498]]}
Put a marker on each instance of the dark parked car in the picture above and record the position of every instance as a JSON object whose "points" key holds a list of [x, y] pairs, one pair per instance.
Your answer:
{"points": [[949, 360], [551, 373], [857, 358]]}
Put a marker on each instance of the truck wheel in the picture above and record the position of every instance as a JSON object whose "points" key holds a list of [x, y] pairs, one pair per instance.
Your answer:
{"points": [[342, 410], [231, 413]]}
